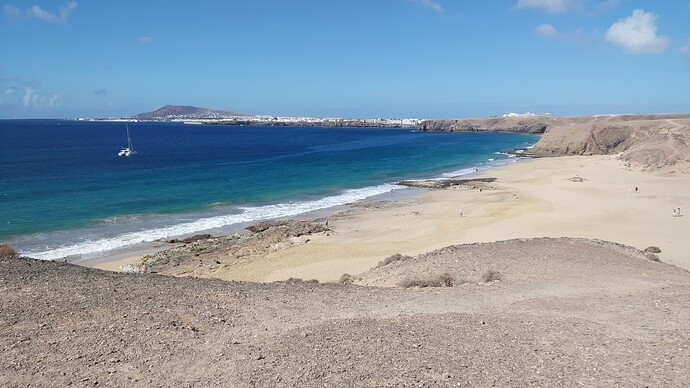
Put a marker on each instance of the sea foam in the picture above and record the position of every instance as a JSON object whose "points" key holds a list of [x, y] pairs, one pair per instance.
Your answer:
{"points": [[246, 215]]}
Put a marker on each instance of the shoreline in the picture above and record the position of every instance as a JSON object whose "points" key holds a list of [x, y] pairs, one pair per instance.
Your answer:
{"points": [[112, 261], [589, 197]]}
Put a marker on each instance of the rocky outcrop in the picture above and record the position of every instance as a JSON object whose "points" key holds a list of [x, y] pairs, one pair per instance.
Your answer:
{"points": [[534, 125], [648, 142], [211, 256], [473, 183]]}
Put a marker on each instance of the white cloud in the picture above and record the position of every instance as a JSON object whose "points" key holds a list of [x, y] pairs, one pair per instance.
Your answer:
{"points": [[32, 100], [550, 32], [637, 34], [36, 12], [145, 40], [431, 4], [54, 101], [10, 90], [550, 6], [30, 97]]}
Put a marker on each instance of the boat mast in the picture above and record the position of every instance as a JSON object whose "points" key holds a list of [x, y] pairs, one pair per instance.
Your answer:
{"points": [[129, 139]]}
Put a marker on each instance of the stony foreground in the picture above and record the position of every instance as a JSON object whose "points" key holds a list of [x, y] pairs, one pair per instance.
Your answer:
{"points": [[565, 313]]}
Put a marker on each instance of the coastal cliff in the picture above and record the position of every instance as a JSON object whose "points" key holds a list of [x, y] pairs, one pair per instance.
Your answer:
{"points": [[649, 142], [534, 125]]}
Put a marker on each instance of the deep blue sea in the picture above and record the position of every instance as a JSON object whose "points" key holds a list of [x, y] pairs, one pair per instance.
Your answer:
{"points": [[64, 191]]}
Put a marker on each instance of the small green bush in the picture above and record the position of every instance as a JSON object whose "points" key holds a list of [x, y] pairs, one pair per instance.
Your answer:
{"points": [[491, 276], [652, 249], [7, 251]]}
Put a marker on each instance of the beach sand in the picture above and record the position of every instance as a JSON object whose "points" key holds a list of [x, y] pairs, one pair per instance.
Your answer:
{"points": [[588, 197]]}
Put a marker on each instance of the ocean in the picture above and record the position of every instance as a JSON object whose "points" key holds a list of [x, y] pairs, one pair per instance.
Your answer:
{"points": [[65, 193]]}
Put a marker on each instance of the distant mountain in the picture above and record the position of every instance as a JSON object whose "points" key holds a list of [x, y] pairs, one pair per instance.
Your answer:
{"points": [[186, 112]]}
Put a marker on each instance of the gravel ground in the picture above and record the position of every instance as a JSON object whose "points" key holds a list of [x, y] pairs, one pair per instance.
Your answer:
{"points": [[566, 312]]}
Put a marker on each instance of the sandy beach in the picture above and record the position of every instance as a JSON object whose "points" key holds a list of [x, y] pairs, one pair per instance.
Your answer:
{"points": [[533, 198], [593, 197]]}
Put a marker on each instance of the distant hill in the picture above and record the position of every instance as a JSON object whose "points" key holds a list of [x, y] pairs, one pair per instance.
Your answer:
{"points": [[186, 112]]}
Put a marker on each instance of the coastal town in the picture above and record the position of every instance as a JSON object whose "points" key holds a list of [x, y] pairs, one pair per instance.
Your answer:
{"points": [[197, 116]]}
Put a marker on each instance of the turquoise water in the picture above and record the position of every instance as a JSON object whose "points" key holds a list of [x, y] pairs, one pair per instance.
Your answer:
{"points": [[65, 191]]}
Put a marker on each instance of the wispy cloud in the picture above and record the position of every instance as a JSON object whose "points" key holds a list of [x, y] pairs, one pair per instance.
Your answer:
{"points": [[145, 40], [550, 32], [101, 92], [32, 99], [637, 34], [36, 12], [685, 49], [30, 96], [550, 6], [604, 7], [431, 4]]}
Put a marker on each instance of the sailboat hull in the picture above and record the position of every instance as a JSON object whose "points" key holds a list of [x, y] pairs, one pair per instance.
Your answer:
{"points": [[129, 151]]}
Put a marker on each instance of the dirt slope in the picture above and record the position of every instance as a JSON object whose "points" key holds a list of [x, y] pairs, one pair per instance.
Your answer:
{"points": [[566, 312]]}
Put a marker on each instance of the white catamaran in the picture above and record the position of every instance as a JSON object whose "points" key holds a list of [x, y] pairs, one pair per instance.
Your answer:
{"points": [[129, 150]]}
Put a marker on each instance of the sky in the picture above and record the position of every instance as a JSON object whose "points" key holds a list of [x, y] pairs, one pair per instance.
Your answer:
{"points": [[428, 59]]}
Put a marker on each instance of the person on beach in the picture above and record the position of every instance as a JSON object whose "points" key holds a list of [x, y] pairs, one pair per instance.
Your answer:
{"points": [[462, 213]]}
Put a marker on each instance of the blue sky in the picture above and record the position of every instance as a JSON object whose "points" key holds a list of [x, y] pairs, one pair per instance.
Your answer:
{"points": [[345, 58]]}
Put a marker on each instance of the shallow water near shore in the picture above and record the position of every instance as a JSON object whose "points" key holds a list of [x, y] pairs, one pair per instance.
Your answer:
{"points": [[67, 193]]}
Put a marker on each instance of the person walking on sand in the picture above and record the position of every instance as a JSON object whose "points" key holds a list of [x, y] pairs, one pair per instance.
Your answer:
{"points": [[462, 213]]}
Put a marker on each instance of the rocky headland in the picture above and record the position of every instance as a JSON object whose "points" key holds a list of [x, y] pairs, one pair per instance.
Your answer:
{"points": [[649, 142]]}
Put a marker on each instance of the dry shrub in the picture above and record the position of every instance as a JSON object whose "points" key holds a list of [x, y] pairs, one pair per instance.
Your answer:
{"points": [[7, 251], [299, 280], [653, 257], [652, 249], [390, 259], [444, 279], [346, 279], [491, 276]]}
